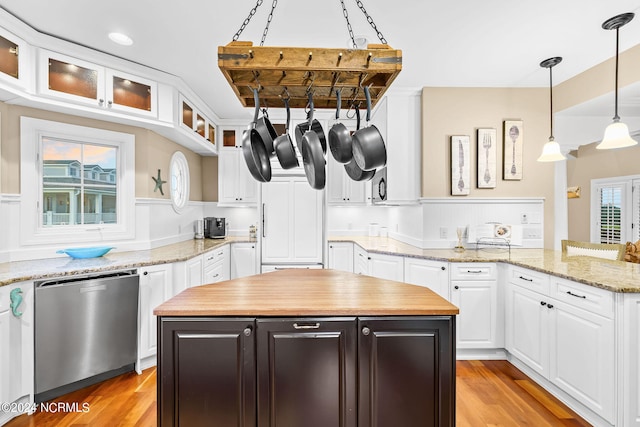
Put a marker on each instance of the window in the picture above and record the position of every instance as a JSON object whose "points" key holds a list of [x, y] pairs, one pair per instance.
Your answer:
{"points": [[77, 179], [615, 209], [179, 181]]}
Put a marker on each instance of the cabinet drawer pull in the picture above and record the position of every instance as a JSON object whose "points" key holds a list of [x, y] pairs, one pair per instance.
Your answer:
{"points": [[306, 326], [366, 331], [549, 305], [220, 253], [474, 271], [216, 275], [543, 303], [524, 278], [576, 295]]}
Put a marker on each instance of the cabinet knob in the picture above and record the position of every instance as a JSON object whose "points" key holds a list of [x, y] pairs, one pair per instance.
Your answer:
{"points": [[456, 287], [110, 103], [145, 273], [366, 331], [443, 268], [543, 303], [101, 102], [247, 331], [549, 305]]}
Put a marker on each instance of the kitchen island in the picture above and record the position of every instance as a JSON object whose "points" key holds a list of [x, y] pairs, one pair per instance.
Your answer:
{"points": [[313, 348]]}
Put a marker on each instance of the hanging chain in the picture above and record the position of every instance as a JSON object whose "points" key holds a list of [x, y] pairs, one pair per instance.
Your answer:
{"points": [[346, 18], [266, 28], [370, 21], [246, 21]]}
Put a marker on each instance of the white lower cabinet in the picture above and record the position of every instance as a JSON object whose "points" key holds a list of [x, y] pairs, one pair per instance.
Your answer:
{"points": [[341, 256], [430, 274], [388, 267], [563, 336], [187, 274], [474, 289], [243, 260], [155, 288], [217, 265], [16, 350], [630, 369], [360, 261]]}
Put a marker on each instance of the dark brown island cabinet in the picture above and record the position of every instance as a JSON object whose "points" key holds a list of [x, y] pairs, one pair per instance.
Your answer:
{"points": [[298, 348]]}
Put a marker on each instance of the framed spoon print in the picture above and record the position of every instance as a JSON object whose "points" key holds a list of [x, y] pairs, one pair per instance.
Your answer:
{"points": [[460, 167], [487, 167], [513, 144]]}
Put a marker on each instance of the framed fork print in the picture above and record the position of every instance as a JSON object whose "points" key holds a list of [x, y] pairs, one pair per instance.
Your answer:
{"points": [[460, 167], [513, 141], [487, 167]]}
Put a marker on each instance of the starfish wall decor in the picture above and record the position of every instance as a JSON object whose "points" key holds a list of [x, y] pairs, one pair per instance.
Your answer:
{"points": [[158, 182]]}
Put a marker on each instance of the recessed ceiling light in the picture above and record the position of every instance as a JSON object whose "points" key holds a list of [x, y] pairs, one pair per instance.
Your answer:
{"points": [[121, 39]]}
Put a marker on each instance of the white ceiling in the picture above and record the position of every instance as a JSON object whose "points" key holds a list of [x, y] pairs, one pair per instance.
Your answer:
{"points": [[490, 43]]}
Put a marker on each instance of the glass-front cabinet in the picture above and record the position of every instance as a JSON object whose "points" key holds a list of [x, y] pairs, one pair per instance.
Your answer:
{"points": [[194, 121], [78, 81], [13, 60]]}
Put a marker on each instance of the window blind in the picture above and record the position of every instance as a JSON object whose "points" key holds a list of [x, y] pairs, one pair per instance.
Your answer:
{"points": [[610, 221]]}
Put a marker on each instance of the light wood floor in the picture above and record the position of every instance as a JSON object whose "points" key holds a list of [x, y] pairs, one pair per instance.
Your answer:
{"points": [[489, 393]]}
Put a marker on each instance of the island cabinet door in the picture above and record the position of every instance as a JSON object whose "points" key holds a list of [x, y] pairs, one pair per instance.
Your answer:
{"points": [[307, 372], [206, 372], [406, 371]]}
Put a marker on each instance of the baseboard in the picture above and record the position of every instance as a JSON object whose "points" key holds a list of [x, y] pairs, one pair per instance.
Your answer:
{"points": [[481, 354]]}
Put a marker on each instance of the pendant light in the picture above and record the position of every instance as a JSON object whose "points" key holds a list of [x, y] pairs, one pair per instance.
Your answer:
{"points": [[551, 150], [616, 135]]}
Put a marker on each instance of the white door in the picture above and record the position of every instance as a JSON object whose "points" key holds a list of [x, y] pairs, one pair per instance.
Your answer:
{"points": [[341, 256], [476, 326], [582, 356], [430, 274], [387, 267], [243, 260], [527, 328], [292, 219], [155, 285]]}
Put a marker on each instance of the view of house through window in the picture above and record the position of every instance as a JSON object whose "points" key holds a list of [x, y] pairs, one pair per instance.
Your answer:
{"points": [[79, 183]]}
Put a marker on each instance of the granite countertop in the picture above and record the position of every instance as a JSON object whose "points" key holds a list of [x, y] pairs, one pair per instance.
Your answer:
{"points": [[615, 276], [18, 271]]}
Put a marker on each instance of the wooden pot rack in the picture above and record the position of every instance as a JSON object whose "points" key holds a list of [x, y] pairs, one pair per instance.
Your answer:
{"points": [[278, 71]]}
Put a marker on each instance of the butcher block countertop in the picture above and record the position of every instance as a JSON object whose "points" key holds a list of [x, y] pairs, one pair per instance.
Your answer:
{"points": [[302, 292]]}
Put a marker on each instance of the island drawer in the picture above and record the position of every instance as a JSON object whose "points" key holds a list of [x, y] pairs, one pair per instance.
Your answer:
{"points": [[473, 271], [530, 279], [596, 300], [216, 255]]}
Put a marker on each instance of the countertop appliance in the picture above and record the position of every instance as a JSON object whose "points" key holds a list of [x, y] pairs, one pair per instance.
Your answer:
{"points": [[215, 228], [85, 331], [379, 186]]}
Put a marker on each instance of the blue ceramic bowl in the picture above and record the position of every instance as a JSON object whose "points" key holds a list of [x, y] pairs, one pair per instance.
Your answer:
{"points": [[91, 252]]}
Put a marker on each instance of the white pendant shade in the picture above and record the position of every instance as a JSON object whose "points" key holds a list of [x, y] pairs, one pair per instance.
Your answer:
{"points": [[616, 135], [551, 152]]}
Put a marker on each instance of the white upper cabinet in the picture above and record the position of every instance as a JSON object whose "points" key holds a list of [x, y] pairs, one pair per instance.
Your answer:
{"points": [[398, 118], [74, 80], [15, 63], [195, 123], [236, 186]]}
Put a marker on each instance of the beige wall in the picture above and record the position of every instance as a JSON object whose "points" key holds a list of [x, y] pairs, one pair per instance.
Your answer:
{"points": [[152, 152], [460, 111], [591, 163], [210, 179]]}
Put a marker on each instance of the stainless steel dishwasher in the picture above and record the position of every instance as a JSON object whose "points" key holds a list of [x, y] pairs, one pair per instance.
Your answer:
{"points": [[85, 331]]}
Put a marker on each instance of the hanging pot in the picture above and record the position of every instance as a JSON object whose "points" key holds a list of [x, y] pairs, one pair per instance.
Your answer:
{"points": [[369, 151], [340, 141], [267, 132], [253, 149], [353, 170], [312, 154], [284, 146], [317, 128]]}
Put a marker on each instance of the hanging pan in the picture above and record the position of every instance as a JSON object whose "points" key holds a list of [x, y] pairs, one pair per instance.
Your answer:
{"points": [[267, 132], [317, 128], [253, 149], [284, 147], [312, 154], [340, 137], [369, 151], [352, 168]]}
